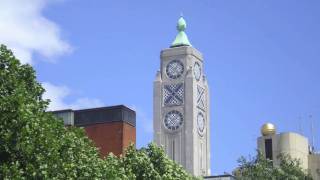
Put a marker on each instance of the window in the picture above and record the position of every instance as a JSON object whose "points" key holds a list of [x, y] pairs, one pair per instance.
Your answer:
{"points": [[268, 148], [173, 150]]}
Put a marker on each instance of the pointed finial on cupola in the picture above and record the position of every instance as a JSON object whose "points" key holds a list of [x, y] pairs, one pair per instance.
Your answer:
{"points": [[181, 38]]}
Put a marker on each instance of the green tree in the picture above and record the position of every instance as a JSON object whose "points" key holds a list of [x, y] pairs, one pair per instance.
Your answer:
{"points": [[146, 163], [35, 145], [152, 163], [260, 168]]}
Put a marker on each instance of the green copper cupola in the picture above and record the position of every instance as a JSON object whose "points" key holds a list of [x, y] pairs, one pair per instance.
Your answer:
{"points": [[181, 38]]}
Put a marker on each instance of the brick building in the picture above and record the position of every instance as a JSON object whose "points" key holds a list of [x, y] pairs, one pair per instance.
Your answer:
{"points": [[112, 129]]}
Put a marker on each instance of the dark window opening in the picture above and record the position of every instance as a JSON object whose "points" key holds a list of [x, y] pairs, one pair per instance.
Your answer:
{"points": [[173, 150], [268, 148]]}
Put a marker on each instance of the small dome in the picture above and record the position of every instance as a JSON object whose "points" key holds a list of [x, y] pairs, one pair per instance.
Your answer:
{"points": [[268, 129]]}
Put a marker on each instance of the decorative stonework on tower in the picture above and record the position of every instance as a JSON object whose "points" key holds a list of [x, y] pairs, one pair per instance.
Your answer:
{"points": [[181, 105]]}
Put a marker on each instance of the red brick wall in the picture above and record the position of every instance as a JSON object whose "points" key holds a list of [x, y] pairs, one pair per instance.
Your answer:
{"points": [[129, 135], [111, 137]]}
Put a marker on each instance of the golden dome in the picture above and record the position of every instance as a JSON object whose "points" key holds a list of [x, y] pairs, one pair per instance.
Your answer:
{"points": [[268, 129]]}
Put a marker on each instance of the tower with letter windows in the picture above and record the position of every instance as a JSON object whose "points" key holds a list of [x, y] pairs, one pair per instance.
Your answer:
{"points": [[181, 105]]}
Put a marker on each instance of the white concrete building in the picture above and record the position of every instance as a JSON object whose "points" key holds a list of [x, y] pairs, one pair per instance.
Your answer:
{"points": [[181, 105], [271, 145]]}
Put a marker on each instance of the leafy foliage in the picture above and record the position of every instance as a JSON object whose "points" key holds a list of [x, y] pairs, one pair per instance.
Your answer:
{"points": [[152, 163], [35, 145], [263, 169]]}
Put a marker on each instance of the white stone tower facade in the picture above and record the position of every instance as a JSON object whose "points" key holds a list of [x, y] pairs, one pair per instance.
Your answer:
{"points": [[181, 106]]}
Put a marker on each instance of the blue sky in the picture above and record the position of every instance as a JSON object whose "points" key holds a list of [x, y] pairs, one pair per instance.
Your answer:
{"points": [[261, 60]]}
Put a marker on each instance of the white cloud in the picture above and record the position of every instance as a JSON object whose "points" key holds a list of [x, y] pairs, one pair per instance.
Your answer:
{"points": [[25, 30], [58, 95]]}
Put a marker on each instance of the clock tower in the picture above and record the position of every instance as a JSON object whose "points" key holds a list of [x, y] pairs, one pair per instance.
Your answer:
{"points": [[181, 105]]}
